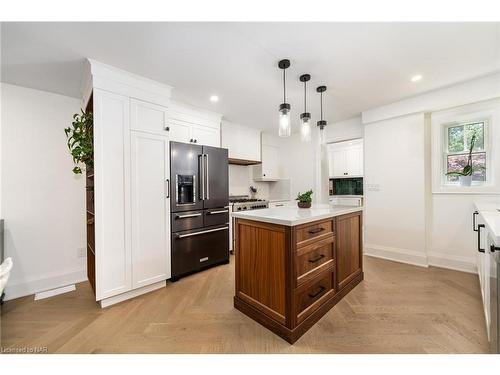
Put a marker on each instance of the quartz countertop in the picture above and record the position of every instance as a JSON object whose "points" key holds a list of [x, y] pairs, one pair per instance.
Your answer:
{"points": [[292, 216], [490, 212]]}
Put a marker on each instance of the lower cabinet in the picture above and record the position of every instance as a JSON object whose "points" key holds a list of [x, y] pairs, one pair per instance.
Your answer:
{"points": [[287, 278], [349, 256], [150, 209]]}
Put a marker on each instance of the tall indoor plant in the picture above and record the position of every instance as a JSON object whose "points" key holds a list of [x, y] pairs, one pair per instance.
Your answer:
{"points": [[80, 137]]}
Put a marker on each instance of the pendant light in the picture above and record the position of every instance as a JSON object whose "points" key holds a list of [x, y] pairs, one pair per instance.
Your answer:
{"points": [[321, 123], [285, 127], [305, 117]]}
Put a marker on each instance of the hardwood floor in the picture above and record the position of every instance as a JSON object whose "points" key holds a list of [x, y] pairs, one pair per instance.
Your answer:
{"points": [[398, 308]]}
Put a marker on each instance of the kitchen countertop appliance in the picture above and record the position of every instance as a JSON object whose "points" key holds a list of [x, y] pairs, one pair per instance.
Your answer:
{"points": [[238, 203], [199, 207]]}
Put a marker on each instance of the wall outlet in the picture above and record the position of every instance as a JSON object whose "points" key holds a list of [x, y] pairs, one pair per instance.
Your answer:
{"points": [[81, 252]]}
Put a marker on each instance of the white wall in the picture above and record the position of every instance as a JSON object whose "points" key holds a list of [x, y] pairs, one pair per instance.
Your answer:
{"points": [[240, 180], [43, 203], [445, 239], [345, 130], [394, 189]]}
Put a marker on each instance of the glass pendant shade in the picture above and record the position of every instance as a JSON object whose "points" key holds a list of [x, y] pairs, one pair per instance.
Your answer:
{"points": [[305, 129], [285, 128]]}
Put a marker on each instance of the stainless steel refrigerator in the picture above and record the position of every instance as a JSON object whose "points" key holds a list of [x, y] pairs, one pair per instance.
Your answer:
{"points": [[199, 196]]}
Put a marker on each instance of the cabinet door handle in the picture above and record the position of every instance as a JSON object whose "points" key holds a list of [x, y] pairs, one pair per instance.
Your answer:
{"points": [[167, 182], [279, 205], [314, 231], [474, 221], [166, 128], [317, 259], [479, 238], [320, 290], [195, 141]]}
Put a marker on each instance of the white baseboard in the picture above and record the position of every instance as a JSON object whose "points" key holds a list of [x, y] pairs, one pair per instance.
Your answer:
{"points": [[54, 292], [30, 287], [422, 259], [452, 262], [413, 257], [131, 294]]}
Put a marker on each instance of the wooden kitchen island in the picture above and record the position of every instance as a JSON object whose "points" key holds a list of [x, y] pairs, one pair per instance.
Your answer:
{"points": [[293, 265]]}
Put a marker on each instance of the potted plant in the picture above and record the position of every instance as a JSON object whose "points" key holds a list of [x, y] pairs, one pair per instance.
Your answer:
{"points": [[304, 200], [80, 137], [465, 176]]}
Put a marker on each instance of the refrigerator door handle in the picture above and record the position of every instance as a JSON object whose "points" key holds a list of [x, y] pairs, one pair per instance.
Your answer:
{"points": [[194, 189], [202, 177], [207, 182]]}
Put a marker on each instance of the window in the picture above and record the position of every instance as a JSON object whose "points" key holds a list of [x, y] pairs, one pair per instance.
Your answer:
{"points": [[456, 151]]}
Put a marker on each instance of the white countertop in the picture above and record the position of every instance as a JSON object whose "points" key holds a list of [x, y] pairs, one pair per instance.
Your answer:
{"points": [[490, 213], [292, 216]]}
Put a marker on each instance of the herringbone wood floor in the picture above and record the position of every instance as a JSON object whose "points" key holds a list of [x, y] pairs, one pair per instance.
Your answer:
{"points": [[398, 308]]}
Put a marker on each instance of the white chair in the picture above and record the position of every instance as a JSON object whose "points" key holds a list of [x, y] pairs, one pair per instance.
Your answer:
{"points": [[5, 269]]}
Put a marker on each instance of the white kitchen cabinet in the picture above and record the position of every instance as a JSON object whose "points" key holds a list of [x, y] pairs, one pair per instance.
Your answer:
{"points": [[148, 117], [150, 208], [346, 159], [113, 271], [206, 135], [271, 165], [188, 132], [243, 143]]}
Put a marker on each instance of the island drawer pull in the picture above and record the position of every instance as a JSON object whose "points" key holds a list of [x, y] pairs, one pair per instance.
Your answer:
{"points": [[320, 290], [321, 256], [317, 230]]}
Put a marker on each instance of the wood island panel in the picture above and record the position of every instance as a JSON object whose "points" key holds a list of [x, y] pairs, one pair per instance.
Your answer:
{"points": [[287, 278]]}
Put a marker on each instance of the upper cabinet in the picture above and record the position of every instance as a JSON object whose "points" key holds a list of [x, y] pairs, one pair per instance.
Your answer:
{"points": [[271, 166], [189, 125], [178, 124], [147, 117], [243, 143], [346, 159]]}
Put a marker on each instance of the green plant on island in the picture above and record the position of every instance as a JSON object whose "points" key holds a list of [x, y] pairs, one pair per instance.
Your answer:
{"points": [[304, 197]]}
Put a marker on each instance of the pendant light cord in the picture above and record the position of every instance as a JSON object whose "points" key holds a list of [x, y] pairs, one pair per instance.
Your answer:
{"points": [[305, 99], [284, 86], [321, 105]]}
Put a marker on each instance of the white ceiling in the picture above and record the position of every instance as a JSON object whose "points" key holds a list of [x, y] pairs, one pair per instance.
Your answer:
{"points": [[364, 65]]}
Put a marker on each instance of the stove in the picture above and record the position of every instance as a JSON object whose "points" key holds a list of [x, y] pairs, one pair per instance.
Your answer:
{"points": [[244, 203]]}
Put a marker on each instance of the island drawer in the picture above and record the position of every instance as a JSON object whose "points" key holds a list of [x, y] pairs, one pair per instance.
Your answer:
{"points": [[307, 233], [313, 259], [310, 297]]}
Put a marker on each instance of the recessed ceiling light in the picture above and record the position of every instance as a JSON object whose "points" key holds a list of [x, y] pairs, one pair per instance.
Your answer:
{"points": [[214, 98], [416, 78]]}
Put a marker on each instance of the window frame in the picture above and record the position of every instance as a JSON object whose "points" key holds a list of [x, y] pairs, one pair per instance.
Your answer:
{"points": [[445, 153]]}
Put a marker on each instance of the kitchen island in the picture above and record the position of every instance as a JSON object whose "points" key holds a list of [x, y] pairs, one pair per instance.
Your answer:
{"points": [[293, 265]]}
